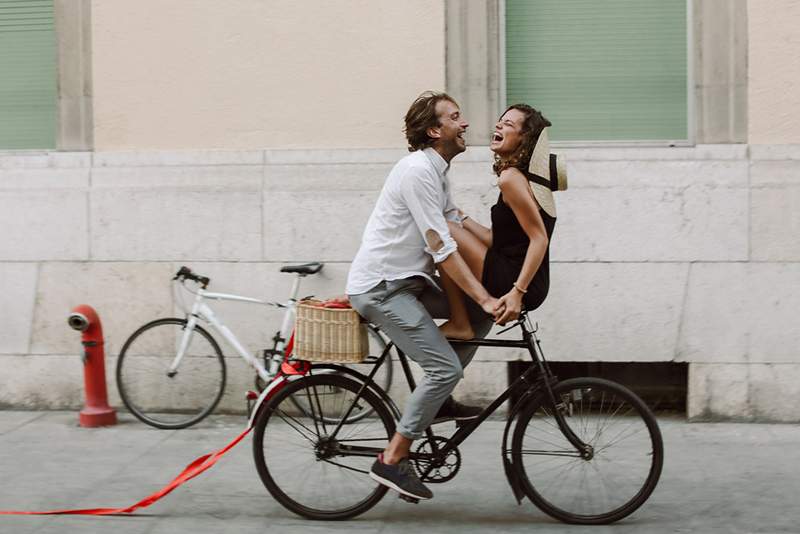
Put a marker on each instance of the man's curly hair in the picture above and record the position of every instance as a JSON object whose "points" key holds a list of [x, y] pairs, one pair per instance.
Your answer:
{"points": [[421, 116], [532, 126]]}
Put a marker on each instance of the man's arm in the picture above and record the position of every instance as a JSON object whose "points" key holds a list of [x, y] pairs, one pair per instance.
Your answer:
{"points": [[421, 192]]}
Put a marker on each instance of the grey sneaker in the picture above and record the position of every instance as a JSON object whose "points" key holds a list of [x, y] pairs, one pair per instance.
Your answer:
{"points": [[400, 477]]}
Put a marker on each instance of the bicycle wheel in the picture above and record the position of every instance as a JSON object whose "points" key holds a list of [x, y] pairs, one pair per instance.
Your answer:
{"points": [[619, 474], [158, 398], [307, 469], [382, 378]]}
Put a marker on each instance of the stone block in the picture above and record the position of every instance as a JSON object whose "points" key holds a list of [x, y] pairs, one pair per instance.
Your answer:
{"points": [[209, 177], [166, 158], [43, 225], [16, 306], [739, 313], [775, 152], [747, 392], [333, 156], [28, 159], [44, 382], [642, 174], [315, 225], [774, 392], [483, 382], [331, 177], [141, 225], [775, 224], [718, 391], [613, 312], [695, 223], [125, 295], [765, 173], [41, 179]]}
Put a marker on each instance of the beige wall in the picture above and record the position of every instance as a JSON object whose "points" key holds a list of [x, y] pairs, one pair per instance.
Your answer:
{"points": [[774, 71], [261, 73]]}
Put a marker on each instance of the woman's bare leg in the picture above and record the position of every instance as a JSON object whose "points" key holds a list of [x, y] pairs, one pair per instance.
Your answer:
{"points": [[473, 251]]}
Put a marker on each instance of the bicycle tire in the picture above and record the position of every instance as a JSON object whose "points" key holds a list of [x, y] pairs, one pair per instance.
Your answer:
{"points": [[383, 378], [289, 449], [589, 406], [157, 399]]}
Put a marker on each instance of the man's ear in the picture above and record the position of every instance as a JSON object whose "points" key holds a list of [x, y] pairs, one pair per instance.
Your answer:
{"points": [[433, 132]]}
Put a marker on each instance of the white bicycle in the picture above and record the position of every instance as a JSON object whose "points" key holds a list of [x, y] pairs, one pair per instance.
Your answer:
{"points": [[171, 372]]}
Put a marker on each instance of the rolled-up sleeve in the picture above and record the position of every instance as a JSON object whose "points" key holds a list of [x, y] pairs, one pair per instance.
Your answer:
{"points": [[425, 197]]}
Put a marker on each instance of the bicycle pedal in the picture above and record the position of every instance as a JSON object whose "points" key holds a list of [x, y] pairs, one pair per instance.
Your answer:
{"points": [[412, 500]]}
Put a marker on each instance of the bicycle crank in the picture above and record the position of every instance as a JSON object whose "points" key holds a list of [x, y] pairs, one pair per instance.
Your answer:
{"points": [[439, 469]]}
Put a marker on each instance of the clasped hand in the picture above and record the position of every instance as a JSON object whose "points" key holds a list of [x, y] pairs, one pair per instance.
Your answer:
{"points": [[508, 307]]}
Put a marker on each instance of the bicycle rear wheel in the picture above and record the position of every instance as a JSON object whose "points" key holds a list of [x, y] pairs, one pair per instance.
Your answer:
{"points": [[622, 470], [306, 468], [169, 401], [382, 378]]}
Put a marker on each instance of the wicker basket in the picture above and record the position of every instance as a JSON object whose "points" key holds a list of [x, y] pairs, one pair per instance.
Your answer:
{"points": [[329, 334]]}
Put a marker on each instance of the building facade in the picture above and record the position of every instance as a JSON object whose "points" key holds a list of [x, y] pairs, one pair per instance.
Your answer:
{"points": [[136, 137]]}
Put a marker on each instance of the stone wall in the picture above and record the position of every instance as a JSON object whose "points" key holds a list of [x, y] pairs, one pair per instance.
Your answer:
{"points": [[659, 254]]}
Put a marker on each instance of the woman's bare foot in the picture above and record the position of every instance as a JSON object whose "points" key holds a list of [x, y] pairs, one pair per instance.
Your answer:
{"points": [[454, 331]]}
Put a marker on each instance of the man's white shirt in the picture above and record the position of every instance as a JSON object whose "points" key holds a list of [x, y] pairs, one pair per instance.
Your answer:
{"points": [[415, 202]]}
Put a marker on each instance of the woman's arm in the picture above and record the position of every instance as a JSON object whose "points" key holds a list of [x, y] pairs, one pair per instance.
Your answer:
{"points": [[516, 194], [477, 229]]}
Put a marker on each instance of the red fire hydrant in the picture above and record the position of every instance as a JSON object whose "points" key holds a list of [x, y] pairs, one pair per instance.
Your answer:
{"points": [[96, 412]]}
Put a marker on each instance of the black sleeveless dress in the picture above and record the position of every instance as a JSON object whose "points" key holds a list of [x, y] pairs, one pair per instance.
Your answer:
{"points": [[504, 259]]}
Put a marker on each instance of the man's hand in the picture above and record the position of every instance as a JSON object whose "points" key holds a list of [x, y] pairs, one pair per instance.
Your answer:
{"points": [[340, 299], [491, 306], [508, 307]]}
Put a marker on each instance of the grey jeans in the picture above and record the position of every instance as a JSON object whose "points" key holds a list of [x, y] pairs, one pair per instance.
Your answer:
{"points": [[405, 309]]}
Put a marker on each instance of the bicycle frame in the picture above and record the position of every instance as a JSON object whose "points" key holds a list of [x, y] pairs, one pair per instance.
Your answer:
{"points": [[533, 382], [202, 311]]}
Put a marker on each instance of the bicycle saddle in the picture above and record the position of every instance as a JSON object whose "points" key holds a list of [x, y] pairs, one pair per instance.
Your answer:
{"points": [[306, 268]]}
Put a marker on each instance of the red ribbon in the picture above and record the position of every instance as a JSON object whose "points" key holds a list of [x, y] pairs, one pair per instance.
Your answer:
{"points": [[191, 471]]}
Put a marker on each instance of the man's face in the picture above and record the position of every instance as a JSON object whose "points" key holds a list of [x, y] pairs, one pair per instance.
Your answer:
{"points": [[449, 134]]}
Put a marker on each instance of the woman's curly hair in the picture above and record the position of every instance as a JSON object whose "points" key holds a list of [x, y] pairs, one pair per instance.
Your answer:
{"points": [[532, 126], [421, 116]]}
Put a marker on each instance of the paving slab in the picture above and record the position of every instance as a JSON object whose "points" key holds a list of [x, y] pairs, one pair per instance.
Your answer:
{"points": [[718, 477]]}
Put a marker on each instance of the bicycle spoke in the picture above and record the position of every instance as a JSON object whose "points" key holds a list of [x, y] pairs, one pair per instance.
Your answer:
{"points": [[610, 482]]}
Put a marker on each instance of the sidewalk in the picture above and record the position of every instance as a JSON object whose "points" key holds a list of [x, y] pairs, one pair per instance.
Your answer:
{"points": [[717, 478]]}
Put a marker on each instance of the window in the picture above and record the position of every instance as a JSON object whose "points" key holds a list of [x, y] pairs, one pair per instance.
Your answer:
{"points": [[610, 70], [28, 96]]}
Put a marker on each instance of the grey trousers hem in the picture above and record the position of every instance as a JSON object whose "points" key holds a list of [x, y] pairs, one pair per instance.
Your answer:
{"points": [[405, 309]]}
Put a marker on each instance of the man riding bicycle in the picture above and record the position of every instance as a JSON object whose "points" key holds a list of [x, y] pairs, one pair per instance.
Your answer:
{"points": [[392, 283]]}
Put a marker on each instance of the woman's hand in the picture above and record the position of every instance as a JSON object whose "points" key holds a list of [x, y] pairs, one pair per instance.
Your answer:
{"points": [[512, 301]]}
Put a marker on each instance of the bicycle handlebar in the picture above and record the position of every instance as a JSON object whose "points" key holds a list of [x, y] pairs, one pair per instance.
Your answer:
{"points": [[185, 273]]}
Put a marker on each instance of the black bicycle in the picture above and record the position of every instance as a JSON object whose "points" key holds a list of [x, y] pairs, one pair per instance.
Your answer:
{"points": [[584, 450]]}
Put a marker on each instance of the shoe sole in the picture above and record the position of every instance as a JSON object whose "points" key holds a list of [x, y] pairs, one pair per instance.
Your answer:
{"points": [[391, 485]]}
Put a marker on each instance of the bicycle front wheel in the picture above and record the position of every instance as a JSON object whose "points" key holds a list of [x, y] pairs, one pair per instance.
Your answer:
{"points": [[305, 464], [163, 399], [625, 458]]}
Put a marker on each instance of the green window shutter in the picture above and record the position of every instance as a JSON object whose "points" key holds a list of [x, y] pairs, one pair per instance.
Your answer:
{"points": [[600, 70], [27, 74]]}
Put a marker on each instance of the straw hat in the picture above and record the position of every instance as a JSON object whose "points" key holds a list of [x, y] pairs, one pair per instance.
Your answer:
{"points": [[548, 173]]}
